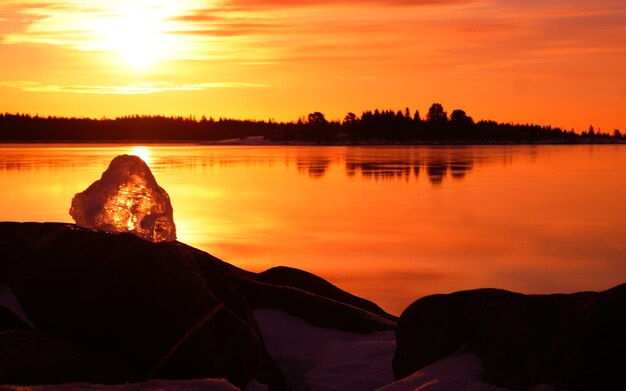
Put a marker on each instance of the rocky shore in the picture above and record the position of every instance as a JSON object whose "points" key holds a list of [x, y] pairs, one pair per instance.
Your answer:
{"points": [[103, 308]]}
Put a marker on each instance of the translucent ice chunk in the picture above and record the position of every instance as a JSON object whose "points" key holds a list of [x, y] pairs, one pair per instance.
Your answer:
{"points": [[126, 199]]}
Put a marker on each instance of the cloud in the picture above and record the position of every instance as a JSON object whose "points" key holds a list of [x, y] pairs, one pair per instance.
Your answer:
{"points": [[128, 89], [178, 31], [229, 29], [300, 43], [17, 17], [355, 3]]}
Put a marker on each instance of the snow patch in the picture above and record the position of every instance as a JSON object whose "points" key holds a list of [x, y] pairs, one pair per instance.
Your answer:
{"points": [[318, 358], [452, 373]]}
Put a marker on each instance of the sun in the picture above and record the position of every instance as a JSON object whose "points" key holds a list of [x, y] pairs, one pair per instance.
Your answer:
{"points": [[137, 41], [136, 34]]}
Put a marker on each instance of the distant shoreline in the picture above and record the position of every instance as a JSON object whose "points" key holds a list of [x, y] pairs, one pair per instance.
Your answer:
{"points": [[392, 143], [360, 143], [384, 127]]}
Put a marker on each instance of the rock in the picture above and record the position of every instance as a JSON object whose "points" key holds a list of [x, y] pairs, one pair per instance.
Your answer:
{"points": [[574, 341], [152, 385], [439, 325], [318, 307], [12, 316], [125, 302], [300, 279], [34, 357], [10, 321], [126, 198], [291, 290]]}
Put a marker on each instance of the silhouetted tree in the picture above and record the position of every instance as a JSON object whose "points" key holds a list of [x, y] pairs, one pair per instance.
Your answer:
{"points": [[591, 132], [416, 116], [461, 126], [436, 114], [318, 129], [317, 119], [350, 119], [459, 117]]}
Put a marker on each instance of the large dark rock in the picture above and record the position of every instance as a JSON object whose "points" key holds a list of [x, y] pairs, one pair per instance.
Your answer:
{"points": [[574, 341], [124, 302], [300, 279], [313, 299], [439, 325], [10, 321], [34, 357]]}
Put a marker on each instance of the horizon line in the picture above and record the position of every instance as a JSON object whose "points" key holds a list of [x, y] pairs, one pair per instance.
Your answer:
{"points": [[271, 120]]}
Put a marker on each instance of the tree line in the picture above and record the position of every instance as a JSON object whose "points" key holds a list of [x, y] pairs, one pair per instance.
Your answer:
{"points": [[371, 126]]}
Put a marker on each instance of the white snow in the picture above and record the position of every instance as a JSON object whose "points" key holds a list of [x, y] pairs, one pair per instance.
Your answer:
{"points": [[461, 372], [318, 358]]}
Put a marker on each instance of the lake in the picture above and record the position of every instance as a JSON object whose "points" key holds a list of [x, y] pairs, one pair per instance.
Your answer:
{"points": [[390, 224]]}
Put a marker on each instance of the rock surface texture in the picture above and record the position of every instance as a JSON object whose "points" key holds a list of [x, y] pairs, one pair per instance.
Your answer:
{"points": [[136, 309], [574, 342], [126, 198]]}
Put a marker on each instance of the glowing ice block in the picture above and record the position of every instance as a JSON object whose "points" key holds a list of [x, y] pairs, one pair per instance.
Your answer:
{"points": [[126, 198]]}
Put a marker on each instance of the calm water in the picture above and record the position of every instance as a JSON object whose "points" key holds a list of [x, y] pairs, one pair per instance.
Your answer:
{"points": [[389, 224]]}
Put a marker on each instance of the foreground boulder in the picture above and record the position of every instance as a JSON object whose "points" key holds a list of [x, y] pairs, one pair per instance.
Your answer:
{"points": [[10, 321], [34, 357], [574, 341], [138, 309], [152, 385]]}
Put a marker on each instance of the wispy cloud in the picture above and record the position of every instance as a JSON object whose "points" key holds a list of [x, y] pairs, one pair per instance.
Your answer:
{"points": [[129, 89], [139, 33], [267, 31], [353, 3], [180, 30]]}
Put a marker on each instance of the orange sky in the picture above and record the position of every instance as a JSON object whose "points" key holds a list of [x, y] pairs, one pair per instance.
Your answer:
{"points": [[549, 62]]}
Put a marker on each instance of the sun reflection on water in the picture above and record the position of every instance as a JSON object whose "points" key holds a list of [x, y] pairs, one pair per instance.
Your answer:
{"points": [[143, 152]]}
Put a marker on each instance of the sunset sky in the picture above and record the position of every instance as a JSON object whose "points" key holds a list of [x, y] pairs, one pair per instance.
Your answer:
{"points": [[549, 62]]}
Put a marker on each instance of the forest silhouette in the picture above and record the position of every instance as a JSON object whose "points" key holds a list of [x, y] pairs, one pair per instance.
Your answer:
{"points": [[378, 126]]}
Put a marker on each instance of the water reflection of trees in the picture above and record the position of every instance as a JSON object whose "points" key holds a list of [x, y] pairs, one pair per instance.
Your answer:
{"points": [[384, 166], [436, 171], [382, 169], [368, 163], [32, 163], [436, 168], [459, 168], [315, 167]]}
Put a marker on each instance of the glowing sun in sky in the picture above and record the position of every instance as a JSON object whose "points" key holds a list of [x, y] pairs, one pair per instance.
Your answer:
{"points": [[135, 39], [137, 34]]}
